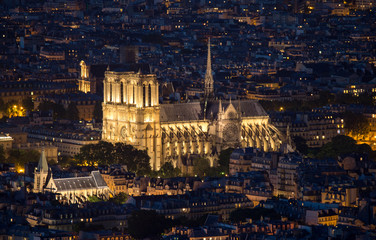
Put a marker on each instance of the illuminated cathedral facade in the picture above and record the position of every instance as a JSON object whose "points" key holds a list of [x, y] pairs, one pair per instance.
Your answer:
{"points": [[179, 132]]}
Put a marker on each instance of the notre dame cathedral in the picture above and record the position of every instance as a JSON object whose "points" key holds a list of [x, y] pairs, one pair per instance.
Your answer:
{"points": [[179, 132]]}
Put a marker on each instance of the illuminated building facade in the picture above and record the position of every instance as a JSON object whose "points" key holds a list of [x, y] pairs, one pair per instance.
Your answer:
{"points": [[178, 132], [69, 190]]}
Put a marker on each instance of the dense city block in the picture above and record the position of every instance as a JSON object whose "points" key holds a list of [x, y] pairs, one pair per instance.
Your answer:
{"points": [[187, 119]]}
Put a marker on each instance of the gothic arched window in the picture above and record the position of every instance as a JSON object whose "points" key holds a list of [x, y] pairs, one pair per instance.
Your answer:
{"points": [[143, 95], [121, 93], [149, 95], [111, 92]]}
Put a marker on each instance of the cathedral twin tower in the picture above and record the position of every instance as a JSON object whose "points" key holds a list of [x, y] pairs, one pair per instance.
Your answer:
{"points": [[179, 132]]}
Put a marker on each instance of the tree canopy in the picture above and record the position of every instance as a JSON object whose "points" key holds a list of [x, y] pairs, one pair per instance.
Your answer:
{"points": [[58, 109], [105, 153], [20, 157], [224, 160], [2, 154], [168, 170], [341, 145], [356, 124], [201, 166], [120, 198], [300, 144]]}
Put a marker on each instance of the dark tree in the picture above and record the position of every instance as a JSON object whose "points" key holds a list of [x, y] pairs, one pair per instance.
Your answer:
{"points": [[168, 170], [2, 154], [72, 112], [300, 144], [100, 153], [224, 160], [356, 124], [146, 224], [20, 157], [120, 198], [66, 162], [201, 166], [142, 161], [58, 109], [341, 145], [105, 153], [28, 104]]}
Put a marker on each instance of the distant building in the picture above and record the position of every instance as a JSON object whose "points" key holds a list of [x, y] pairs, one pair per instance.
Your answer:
{"points": [[315, 127], [6, 141], [68, 141], [69, 190], [322, 217], [118, 179]]}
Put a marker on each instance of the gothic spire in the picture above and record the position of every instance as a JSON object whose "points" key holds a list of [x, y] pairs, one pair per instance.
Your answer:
{"points": [[209, 81], [42, 165]]}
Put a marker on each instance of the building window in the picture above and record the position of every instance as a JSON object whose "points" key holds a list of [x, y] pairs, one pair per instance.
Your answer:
{"points": [[110, 92], [143, 95], [149, 95], [121, 93]]}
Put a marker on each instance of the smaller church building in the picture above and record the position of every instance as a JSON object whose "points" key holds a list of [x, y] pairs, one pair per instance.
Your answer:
{"points": [[69, 190]]}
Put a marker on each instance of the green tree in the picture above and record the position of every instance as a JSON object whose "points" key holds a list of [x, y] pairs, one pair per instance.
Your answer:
{"points": [[120, 198], [340, 145], [94, 199], [356, 124], [124, 154], [105, 153], [67, 162], [142, 160], [100, 153], [20, 157], [201, 166], [224, 160], [146, 224], [168, 170], [344, 144]]}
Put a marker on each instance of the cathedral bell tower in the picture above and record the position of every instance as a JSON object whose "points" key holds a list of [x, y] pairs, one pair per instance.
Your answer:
{"points": [[41, 173], [131, 110], [83, 82]]}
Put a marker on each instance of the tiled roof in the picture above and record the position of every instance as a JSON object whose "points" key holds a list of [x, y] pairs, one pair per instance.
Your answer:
{"points": [[95, 180], [195, 110]]}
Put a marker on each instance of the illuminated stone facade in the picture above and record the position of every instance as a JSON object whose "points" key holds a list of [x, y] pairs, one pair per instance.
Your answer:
{"points": [[132, 114], [69, 190], [83, 82], [179, 132]]}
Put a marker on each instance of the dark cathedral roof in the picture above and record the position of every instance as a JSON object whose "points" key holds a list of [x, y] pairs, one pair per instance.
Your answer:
{"points": [[98, 70], [144, 68], [194, 111]]}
